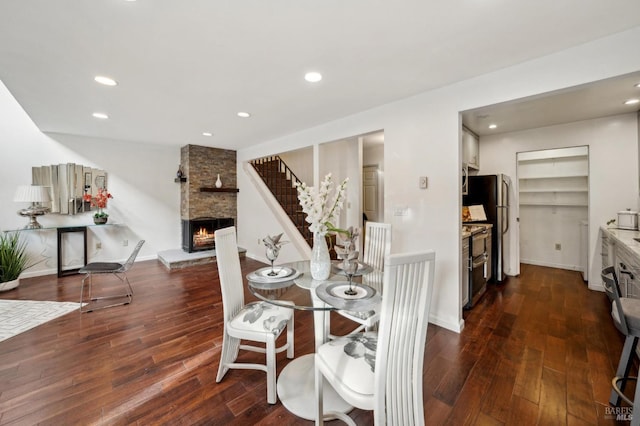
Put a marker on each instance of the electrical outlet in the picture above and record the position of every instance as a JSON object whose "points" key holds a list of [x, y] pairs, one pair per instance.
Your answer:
{"points": [[558, 246], [423, 182], [125, 243], [98, 245]]}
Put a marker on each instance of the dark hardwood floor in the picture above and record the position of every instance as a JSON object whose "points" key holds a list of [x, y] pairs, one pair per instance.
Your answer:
{"points": [[539, 350]]}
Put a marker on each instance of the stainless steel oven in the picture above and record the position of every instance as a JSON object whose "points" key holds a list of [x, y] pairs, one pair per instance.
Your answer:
{"points": [[480, 248]]}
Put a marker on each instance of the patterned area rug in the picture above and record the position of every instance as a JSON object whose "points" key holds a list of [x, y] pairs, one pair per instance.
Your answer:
{"points": [[18, 316]]}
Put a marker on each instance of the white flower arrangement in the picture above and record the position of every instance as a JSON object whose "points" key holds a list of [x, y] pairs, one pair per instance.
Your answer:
{"points": [[321, 208]]}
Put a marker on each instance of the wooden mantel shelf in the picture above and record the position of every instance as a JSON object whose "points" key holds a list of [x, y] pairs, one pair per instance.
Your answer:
{"points": [[209, 189]]}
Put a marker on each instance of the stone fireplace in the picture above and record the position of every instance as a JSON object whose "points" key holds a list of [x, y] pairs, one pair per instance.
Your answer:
{"points": [[203, 206], [198, 234]]}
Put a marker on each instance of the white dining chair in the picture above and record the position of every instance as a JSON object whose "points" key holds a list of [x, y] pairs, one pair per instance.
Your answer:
{"points": [[258, 321], [377, 245], [382, 371]]}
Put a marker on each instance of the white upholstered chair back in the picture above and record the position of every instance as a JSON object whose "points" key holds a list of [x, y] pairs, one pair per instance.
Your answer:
{"points": [[229, 271], [408, 281], [377, 244]]}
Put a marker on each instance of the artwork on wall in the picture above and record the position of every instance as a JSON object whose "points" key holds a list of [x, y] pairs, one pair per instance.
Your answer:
{"points": [[68, 183]]}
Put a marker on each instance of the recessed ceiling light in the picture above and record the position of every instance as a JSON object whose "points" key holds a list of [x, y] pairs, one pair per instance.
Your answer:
{"points": [[244, 114], [493, 126], [105, 80], [100, 115], [207, 134], [631, 101], [638, 85], [313, 77]]}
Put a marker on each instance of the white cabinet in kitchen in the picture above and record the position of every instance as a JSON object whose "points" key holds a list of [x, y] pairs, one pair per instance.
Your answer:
{"points": [[606, 251], [628, 272], [464, 293], [470, 149]]}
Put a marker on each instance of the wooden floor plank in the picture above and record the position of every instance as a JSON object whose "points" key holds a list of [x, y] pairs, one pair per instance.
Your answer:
{"points": [[538, 349]]}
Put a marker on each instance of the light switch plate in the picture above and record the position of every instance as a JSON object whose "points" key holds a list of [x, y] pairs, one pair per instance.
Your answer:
{"points": [[423, 182], [401, 211]]}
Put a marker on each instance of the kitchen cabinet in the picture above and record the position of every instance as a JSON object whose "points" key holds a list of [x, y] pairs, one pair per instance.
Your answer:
{"points": [[628, 272], [606, 251], [465, 265], [470, 149], [620, 249], [554, 177]]}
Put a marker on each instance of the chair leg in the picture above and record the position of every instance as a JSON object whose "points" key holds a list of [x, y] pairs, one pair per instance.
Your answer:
{"points": [[624, 366], [82, 292], [319, 385], [271, 369], [125, 282], [230, 348], [290, 338]]}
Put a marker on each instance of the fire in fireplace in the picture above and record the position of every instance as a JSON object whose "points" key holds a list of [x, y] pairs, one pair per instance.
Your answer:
{"points": [[198, 234]]}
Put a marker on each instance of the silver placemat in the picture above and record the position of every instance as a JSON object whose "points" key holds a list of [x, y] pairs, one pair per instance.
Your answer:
{"points": [[284, 274], [363, 268], [332, 293]]}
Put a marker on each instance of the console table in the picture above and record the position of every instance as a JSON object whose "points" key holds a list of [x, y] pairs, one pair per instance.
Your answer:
{"points": [[61, 232]]}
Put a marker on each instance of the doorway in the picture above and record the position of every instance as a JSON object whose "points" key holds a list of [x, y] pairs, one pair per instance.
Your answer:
{"points": [[370, 210], [553, 193]]}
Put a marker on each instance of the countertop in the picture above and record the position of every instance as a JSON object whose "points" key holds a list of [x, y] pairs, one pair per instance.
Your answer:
{"points": [[473, 228], [625, 237]]}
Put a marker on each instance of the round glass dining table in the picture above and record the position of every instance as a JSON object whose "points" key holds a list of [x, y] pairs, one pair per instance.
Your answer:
{"points": [[296, 386]]}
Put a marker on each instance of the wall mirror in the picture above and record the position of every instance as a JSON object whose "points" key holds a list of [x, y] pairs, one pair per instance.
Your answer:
{"points": [[69, 183]]}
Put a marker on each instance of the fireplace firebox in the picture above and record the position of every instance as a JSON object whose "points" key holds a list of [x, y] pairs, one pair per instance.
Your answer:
{"points": [[198, 234]]}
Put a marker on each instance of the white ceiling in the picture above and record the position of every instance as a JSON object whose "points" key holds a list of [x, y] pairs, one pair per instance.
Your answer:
{"points": [[185, 67], [598, 99]]}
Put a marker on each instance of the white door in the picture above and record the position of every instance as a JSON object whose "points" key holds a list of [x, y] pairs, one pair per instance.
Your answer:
{"points": [[370, 192]]}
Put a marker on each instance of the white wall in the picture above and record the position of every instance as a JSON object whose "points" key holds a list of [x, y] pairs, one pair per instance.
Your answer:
{"points": [[140, 176], [422, 139], [613, 171], [300, 162], [342, 160]]}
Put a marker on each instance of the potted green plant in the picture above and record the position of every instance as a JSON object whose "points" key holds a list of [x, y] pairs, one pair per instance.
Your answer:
{"points": [[13, 260]]}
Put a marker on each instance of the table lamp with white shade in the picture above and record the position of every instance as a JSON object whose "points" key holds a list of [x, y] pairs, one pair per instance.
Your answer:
{"points": [[36, 195]]}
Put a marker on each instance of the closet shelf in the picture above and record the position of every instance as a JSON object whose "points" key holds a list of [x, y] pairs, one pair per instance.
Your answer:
{"points": [[554, 204]]}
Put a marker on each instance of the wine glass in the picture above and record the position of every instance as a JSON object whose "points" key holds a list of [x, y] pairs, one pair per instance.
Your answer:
{"points": [[350, 266], [272, 254]]}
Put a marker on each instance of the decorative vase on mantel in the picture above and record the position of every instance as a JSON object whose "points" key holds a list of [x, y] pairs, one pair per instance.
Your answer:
{"points": [[320, 260], [218, 182]]}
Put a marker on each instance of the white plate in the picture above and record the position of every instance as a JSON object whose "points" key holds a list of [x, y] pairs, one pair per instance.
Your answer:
{"points": [[333, 293], [278, 272], [282, 274], [341, 290]]}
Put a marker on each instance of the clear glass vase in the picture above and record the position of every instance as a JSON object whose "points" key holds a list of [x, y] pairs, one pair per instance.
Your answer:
{"points": [[320, 260]]}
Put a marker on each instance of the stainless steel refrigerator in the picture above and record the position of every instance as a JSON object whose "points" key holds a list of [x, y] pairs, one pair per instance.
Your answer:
{"points": [[492, 191]]}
